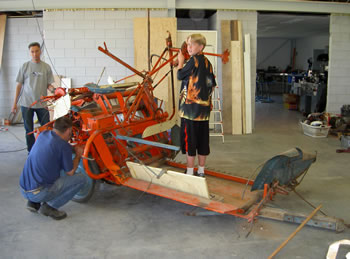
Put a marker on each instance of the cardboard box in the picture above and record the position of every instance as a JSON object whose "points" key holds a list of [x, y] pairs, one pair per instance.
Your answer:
{"points": [[290, 98], [291, 106]]}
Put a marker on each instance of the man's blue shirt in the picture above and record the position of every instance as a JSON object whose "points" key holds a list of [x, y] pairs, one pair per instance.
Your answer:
{"points": [[49, 155]]}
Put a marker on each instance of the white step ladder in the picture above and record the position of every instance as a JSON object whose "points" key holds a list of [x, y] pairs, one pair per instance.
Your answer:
{"points": [[215, 123]]}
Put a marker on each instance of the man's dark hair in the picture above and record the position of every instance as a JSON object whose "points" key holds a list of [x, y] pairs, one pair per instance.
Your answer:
{"points": [[62, 124], [33, 44]]}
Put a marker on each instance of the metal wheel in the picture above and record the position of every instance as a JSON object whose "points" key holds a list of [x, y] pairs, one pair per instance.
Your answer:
{"points": [[85, 194]]}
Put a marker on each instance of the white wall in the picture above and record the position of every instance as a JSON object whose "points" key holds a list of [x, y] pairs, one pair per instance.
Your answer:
{"points": [[339, 63], [273, 52], [305, 49], [19, 33], [72, 39]]}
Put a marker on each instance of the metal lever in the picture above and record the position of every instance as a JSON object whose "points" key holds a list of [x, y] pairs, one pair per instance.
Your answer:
{"points": [[163, 171]]}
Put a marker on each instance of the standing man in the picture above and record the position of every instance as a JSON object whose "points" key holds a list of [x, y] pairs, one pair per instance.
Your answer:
{"points": [[33, 80], [41, 181]]}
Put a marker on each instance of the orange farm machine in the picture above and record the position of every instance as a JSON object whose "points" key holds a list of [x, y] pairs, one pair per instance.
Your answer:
{"points": [[125, 125]]}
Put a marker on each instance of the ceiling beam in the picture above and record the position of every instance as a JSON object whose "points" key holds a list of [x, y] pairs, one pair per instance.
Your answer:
{"points": [[269, 5], [256, 5]]}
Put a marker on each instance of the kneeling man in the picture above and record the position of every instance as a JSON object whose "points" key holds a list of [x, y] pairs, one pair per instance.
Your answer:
{"points": [[41, 181]]}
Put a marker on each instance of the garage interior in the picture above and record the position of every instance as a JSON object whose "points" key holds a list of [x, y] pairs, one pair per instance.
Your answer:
{"points": [[288, 46], [287, 69]]}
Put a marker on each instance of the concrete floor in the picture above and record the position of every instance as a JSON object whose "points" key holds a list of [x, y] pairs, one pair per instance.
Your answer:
{"points": [[118, 223]]}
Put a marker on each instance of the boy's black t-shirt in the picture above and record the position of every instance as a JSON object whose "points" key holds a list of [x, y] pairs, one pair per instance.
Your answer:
{"points": [[197, 85]]}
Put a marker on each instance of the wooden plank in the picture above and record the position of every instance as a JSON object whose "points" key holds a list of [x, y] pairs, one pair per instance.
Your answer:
{"points": [[178, 181], [295, 232], [238, 120], [158, 28], [3, 19], [226, 78], [318, 221], [240, 39], [247, 84], [236, 88], [234, 30]]}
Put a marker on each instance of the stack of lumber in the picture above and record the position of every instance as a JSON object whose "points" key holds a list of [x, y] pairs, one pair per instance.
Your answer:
{"points": [[237, 99]]}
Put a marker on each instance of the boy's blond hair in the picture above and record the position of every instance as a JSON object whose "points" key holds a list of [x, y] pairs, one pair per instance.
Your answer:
{"points": [[198, 38]]}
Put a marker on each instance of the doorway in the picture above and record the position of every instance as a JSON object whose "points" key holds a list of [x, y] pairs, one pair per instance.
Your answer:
{"points": [[292, 59]]}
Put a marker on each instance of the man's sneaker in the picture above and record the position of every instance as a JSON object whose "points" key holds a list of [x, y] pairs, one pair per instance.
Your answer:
{"points": [[201, 175], [33, 206], [52, 212]]}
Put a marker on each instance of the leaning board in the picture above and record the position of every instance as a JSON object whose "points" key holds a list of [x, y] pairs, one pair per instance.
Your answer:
{"points": [[178, 181], [247, 83], [236, 61], [226, 78], [159, 28], [3, 19]]}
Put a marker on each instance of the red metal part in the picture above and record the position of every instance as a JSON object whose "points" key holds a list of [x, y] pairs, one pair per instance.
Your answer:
{"points": [[224, 56], [106, 51], [216, 174]]}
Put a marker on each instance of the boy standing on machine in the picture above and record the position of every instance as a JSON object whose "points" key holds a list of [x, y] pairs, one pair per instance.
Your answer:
{"points": [[198, 82]]}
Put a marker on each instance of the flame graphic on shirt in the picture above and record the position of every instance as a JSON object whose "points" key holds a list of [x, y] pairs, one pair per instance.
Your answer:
{"points": [[192, 91]]}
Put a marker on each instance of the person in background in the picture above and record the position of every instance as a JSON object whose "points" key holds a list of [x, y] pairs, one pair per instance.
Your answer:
{"points": [[41, 181], [198, 82], [33, 80]]}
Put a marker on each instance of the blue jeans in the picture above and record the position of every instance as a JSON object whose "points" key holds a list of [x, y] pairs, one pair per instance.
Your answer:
{"points": [[59, 193], [28, 114]]}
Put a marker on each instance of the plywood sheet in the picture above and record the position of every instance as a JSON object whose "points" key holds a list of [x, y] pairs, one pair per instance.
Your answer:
{"points": [[234, 30], [171, 179], [240, 124], [226, 78], [236, 62], [3, 19], [158, 34]]}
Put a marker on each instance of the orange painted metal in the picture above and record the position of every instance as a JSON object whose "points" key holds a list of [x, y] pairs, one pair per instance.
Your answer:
{"points": [[216, 174], [181, 196], [217, 206], [106, 51], [224, 56], [265, 189], [129, 113]]}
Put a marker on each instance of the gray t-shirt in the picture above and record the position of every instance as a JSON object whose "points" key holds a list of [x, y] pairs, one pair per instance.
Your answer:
{"points": [[35, 78]]}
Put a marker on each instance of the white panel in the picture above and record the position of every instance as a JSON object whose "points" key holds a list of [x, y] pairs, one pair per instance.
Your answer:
{"points": [[173, 180]]}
